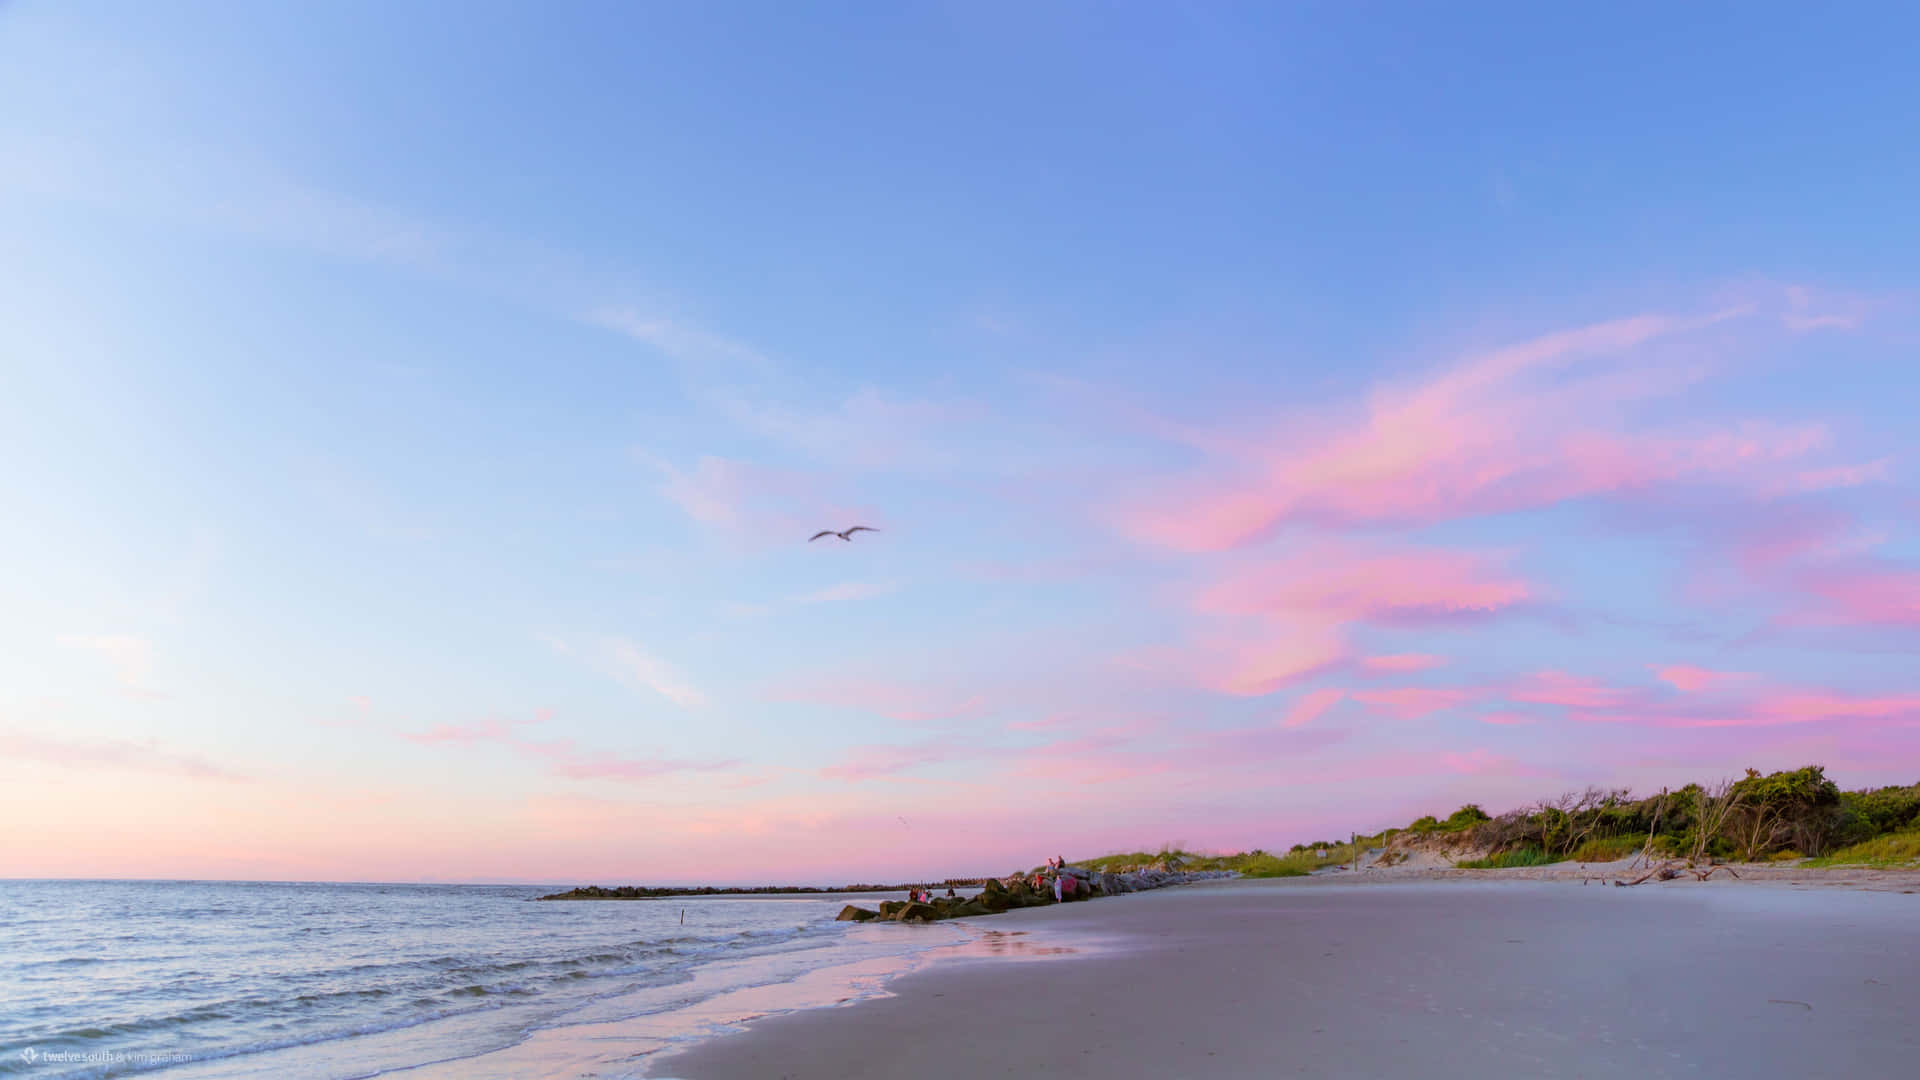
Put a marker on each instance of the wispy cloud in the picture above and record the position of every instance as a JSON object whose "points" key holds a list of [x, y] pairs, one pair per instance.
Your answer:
{"points": [[145, 756], [1311, 706], [1272, 622], [870, 762], [702, 351], [635, 666], [843, 592], [1690, 679], [1401, 663], [1560, 688], [564, 757], [207, 187], [631, 663], [1511, 429]]}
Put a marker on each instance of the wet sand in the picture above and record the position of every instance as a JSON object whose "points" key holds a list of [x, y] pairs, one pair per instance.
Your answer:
{"points": [[1407, 978]]}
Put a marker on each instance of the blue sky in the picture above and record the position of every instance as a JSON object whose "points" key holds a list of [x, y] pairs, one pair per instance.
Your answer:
{"points": [[417, 416]]}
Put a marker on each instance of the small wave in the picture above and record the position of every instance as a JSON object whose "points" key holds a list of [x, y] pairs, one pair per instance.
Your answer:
{"points": [[61, 962]]}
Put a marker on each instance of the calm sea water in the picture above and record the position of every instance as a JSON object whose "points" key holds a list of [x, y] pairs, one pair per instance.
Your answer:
{"points": [[238, 978]]}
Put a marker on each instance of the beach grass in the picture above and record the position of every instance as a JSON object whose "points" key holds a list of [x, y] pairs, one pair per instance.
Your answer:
{"points": [[1506, 860], [1253, 864], [1894, 849]]}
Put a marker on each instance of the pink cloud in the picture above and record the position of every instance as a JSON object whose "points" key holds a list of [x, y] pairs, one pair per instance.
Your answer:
{"points": [[564, 757], [1506, 718], [1288, 618], [1767, 707], [869, 762], [1516, 428], [1800, 707], [1861, 593], [1398, 663], [1481, 762], [1560, 688], [1310, 706], [1791, 533], [1693, 679], [1413, 702], [1808, 309], [1049, 723], [1830, 478], [1354, 582], [1279, 657]]}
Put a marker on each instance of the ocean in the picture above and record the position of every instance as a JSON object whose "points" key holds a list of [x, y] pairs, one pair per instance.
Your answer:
{"points": [[228, 979]]}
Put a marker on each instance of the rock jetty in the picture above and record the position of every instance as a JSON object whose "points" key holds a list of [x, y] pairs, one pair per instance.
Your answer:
{"points": [[1034, 888], [651, 892]]}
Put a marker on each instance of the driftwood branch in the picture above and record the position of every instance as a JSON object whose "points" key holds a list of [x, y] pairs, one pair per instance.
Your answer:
{"points": [[1673, 868], [1666, 871]]}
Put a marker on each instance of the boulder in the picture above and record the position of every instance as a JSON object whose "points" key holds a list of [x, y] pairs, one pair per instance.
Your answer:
{"points": [[917, 913], [890, 909], [850, 913]]}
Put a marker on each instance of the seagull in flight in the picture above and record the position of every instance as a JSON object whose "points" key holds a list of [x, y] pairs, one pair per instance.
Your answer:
{"points": [[847, 535]]}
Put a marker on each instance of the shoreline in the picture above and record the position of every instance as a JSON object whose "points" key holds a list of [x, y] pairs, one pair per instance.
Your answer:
{"points": [[1453, 973]]}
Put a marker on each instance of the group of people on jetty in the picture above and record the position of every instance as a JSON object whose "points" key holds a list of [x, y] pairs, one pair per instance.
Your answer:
{"points": [[1053, 883], [1061, 884]]}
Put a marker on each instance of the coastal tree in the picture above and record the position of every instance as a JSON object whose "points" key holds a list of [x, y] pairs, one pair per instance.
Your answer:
{"points": [[1713, 808]]}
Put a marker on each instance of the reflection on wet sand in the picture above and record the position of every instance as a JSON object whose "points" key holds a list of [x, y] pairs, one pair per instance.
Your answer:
{"points": [[1005, 943]]}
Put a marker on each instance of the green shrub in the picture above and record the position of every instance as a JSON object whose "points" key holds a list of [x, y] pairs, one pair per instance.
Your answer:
{"points": [[1299, 864], [1607, 848], [1506, 860], [1466, 818]]}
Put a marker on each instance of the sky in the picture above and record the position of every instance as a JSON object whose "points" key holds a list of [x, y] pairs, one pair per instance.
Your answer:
{"points": [[1279, 420]]}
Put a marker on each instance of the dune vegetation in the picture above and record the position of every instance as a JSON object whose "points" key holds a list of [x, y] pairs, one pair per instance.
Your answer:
{"points": [[1796, 814]]}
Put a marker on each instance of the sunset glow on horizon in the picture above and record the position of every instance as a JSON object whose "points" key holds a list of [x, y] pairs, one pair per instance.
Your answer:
{"points": [[414, 436]]}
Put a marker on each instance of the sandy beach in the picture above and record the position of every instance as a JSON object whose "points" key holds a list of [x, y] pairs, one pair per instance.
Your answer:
{"points": [[1402, 976]]}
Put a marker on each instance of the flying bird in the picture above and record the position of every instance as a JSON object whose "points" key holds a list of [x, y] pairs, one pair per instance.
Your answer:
{"points": [[847, 535]]}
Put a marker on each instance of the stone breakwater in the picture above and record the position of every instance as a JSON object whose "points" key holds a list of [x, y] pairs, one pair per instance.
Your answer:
{"points": [[1036, 888]]}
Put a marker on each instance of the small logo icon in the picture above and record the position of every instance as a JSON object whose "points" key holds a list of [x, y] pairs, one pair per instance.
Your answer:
{"points": [[29, 1055]]}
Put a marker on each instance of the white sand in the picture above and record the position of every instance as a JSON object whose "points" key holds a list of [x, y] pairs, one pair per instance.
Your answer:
{"points": [[1394, 978]]}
